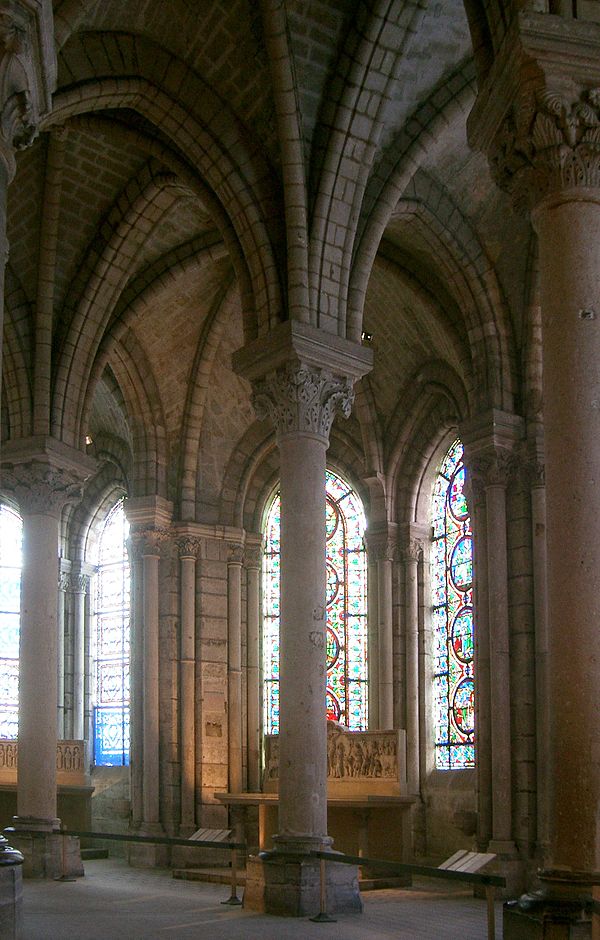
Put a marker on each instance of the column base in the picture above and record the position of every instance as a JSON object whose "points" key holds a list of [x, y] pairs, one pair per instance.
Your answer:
{"points": [[11, 902], [560, 910], [533, 917], [146, 855], [507, 864], [291, 887], [47, 854]]}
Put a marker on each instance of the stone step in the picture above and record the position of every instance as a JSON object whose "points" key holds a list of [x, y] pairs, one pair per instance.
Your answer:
{"points": [[87, 854], [222, 876]]}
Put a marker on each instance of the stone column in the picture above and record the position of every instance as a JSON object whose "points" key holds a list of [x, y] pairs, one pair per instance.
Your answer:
{"points": [[63, 587], [493, 473], [413, 553], [43, 478], [542, 737], [150, 552], [80, 586], [301, 396], [382, 548], [234, 670], [188, 553], [148, 518], [252, 559], [540, 131], [385, 638], [28, 68]]}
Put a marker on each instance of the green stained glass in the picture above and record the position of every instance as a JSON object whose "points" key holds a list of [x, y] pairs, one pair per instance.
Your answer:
{"points": [[11, 536], [346, 600], [452, 599]]}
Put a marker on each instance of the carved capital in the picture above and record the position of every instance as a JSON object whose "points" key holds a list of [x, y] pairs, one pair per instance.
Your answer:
{"points": [[494, 469], [148, 542], [188, 546], [64, 581], [297, 398], [381, 546], [79, 583], [40, 488], [549, 141], [253, 556], [235, 555], [413, 550], [27, 73], [534, 472]]}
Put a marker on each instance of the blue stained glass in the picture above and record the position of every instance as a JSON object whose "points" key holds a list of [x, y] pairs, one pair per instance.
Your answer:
{"points": [[346, 600], [452, 599], [111, 643], [11, 537]]}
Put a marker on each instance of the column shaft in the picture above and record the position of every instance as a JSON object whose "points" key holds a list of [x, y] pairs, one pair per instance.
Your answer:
{"points": [[412, 671], [253, 677], [568, 227], [234, 673], [303, 738], [499, 664], [151, 767], [538, 524], [79, 657], [385, 644], [36, 794], [187, 689], [60, 653]]}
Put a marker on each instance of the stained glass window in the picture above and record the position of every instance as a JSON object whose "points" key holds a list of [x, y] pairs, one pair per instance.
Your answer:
{"points": [[452, 590], [11, 533], [346, 700], [110, 643]]}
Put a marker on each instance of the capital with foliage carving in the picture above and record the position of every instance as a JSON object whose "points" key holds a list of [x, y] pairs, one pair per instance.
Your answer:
{"points": [[188, 546], [549, 142], [27, 73], [413, 550], [235, 556], [40, 488], [148, 542], [300, 399], [253, 556], [537, 114], [493, 469]]}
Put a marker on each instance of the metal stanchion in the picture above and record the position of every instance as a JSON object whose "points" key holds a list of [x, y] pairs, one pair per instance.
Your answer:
{"points": [[490, 893], [64, 876], [233, 899], [323, 917]]}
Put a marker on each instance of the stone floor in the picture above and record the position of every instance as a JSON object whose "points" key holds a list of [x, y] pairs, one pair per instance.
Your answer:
{"points": [[122, 903]]}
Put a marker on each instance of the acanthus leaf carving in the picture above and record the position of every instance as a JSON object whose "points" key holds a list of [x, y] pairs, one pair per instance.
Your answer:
{"points": [[297, 398], [41, 488], [548, 141]]}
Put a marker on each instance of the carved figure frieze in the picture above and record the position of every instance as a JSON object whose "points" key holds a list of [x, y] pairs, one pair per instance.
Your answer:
{"points": [[296, 398], [350, 755]]}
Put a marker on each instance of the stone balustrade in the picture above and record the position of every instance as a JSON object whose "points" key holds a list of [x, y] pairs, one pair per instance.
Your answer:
{"points": [[70, 762]]}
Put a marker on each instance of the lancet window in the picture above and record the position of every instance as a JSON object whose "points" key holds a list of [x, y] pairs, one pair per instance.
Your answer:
{"points": [[452, 589], [346, 604], [111, 642], [11, 533]]}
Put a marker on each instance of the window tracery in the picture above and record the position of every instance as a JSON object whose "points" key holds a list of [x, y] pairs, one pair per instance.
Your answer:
{"points": [[111, 642], [346, 605], [452, 599], [11, 536]]}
